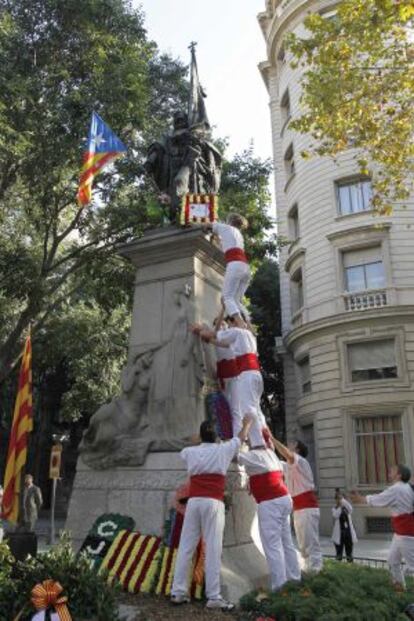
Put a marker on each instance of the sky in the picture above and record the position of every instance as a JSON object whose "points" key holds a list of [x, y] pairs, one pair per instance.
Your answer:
{"points": [[230, 46]]}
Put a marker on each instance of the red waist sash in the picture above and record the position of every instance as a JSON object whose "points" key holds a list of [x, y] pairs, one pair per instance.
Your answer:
{"points": [[247, 362], [307, 500], [267, 486], [403, 524], [207, 486], [227, 368], [235, 254]]}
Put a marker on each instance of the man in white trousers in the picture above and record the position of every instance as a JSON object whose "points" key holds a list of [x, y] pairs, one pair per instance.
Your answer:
{"points": [[274, 506], [399, 497], [237, 275], [207, 465], [227, 375], [306, 514], [242, 343]]}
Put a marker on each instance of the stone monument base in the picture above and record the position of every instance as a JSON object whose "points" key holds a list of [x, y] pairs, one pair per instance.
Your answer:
{"points": [[145, 493]]}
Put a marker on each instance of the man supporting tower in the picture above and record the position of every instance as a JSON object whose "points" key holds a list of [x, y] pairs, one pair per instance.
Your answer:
{"points": [[274, 506], [207, 465], [399, 497], [243, 344], [227, 375], [306, 514]]}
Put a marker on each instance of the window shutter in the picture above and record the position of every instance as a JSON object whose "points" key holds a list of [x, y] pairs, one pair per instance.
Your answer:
{"points": [[362, 256], [372, 355]]}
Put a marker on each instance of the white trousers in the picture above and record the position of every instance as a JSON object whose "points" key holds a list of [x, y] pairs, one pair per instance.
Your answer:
{"points": [[306, 523], [250, 390], [276, 536], [236, 281], [204, 517], [231, 390], [402, 548]]}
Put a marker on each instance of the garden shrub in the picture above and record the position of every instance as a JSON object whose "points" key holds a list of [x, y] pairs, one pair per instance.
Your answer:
{"points": [[89, 595], [341, 592]]}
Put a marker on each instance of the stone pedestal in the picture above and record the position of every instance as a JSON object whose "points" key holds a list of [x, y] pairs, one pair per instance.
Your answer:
{"points": [[139, 472], [145, 493], [167, 260]]}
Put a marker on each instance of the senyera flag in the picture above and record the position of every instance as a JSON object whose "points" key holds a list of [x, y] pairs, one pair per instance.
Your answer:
{"points": [[22, 425], [102, 148]]}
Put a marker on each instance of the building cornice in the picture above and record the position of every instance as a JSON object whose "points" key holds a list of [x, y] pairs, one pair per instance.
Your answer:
{"points": [[288, 11], [333, 321], [292, 258], [279, 23], [365, 228], [265, 68]]}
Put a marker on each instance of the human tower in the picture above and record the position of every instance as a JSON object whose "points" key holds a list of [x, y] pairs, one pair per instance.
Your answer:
{"points": [[238, 371], [280, 486]]}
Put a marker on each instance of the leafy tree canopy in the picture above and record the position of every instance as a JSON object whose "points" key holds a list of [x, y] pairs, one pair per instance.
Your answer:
{"points": [[358, 90], [58, 62]]}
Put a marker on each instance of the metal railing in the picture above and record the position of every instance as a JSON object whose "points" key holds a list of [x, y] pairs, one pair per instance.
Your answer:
{"points": [[359, 560]]}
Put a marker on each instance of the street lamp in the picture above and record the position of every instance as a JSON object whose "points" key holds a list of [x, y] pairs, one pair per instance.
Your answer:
{"points": [[54, 474]]}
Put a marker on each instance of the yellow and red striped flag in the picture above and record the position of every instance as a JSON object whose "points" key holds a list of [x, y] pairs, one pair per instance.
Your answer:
{"points": [[21, 427], [102, 148]]}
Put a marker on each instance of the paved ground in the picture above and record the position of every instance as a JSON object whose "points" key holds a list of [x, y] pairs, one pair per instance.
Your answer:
{"points": [[151, 608], [365, 548]]}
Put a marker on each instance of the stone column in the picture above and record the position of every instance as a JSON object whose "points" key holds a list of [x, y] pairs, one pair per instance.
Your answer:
{"points": [[168, 260]]}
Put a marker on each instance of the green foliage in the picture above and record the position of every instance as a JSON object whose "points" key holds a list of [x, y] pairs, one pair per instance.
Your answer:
{"points": [[88, 593], [265, 310], [245, 190], [58, 264], [358, 90], [8, 590], [71, 58], [341, 592]]}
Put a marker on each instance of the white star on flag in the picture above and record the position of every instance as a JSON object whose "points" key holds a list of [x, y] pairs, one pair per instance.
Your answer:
{"points": [[98, 140]]}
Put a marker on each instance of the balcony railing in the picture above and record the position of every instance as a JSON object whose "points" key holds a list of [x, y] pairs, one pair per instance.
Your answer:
{"points": [[365, 300]]}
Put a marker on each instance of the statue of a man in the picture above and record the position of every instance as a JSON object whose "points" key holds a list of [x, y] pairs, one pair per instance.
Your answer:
{"points": [[184, 161]]}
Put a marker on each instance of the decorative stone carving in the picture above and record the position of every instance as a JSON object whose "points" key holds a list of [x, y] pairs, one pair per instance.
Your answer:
{"points": [[161, 405]]}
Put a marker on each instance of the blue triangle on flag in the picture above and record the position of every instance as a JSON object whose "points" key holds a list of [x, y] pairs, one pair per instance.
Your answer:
{"points": [[101, 138]]}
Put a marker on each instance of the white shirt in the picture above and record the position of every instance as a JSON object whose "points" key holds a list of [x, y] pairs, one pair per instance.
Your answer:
{"points": [[398, 497], [336, 514], [229, 236], [224, 353], [298, 476], [260, 461], [240, 341], [209, 457]]}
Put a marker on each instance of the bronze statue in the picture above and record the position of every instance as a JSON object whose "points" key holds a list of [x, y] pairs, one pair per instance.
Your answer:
{"points": [[186, 160]]}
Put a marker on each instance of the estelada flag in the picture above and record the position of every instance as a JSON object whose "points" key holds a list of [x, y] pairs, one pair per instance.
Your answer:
{"points": [[102, 148], [22, 425]]}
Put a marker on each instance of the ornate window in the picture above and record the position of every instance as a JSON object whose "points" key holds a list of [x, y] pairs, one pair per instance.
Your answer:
{"points": [[293, 223], [379, 445], [285, 109], [304, 375], [296, 291], [364, 269], [372, 360], [354, 196], [289, 161]]}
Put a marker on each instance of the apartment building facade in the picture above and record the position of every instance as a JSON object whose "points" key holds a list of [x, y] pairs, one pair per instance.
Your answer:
{"points": [[347, 294]]}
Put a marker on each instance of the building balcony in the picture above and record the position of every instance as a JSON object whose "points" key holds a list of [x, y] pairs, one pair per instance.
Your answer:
{"points": [[365, 300]]}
